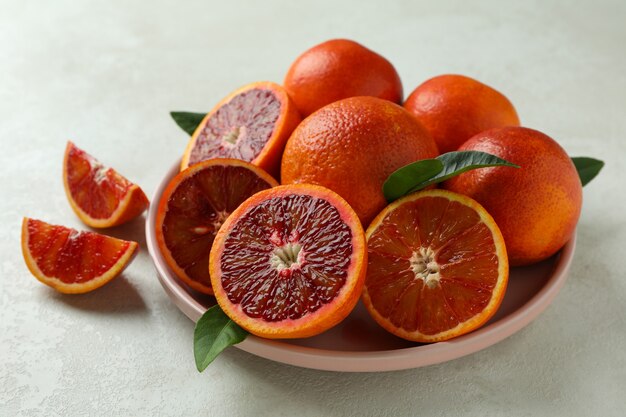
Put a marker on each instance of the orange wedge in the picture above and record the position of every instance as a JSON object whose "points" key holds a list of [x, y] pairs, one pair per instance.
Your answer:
{"points": [[70, 261], [99, 196]]}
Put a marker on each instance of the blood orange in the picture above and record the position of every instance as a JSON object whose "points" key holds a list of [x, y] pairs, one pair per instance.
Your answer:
{"points": [[453, 108], [99, 196], [338, 69], [251, 124], [351, 146], [537, 206], [70, 261], [437, 266], [289, 262], [194, 206]]}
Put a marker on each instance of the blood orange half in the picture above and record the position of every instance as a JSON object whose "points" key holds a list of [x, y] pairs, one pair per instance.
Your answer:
{"points": [[99, 196], [251, 124], [193, 207], [71, 261], [289, 262], [437, 267]]}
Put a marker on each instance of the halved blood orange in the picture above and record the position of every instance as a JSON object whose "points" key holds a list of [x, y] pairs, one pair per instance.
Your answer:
{"points": [[72, 261], [252, 124], [99, 196], [289, 262], [437, 267], [193, 207]]}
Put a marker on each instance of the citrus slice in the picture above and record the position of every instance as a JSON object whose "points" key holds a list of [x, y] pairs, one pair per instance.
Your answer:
{"points": [[193, 207], [437, 267], [252, 124], [289, 262], [72, 261], [99, 196]]}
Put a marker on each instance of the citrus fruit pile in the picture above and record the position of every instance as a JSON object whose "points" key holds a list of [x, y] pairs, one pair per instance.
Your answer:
{"points": [[290, 261], [281, 212]]}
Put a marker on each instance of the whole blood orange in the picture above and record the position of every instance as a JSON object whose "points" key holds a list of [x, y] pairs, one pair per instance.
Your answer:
{"points": [[99, 196], [289, 262], [351, 146], [252, 124], [454, 108], [338, 69], [193, 207], [70, 261], [536, 206], [437, 266]]}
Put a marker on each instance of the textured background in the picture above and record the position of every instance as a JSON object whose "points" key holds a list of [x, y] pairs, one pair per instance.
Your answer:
{"points": [[105, 74]]}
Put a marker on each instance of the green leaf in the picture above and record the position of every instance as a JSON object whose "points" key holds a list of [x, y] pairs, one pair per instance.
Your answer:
{"points": [[419, 175], [587, 168], [214, 332], [187, 121], [401, 181]]}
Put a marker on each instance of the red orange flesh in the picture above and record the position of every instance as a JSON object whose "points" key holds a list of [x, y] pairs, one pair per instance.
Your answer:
{"points": [[72, 261], [437, 266], [251, 124], [193, 207], [289, 262], [99, 195]]}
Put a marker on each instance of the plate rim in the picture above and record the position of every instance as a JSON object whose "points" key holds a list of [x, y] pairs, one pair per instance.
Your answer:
{"points": [[364, 361]]}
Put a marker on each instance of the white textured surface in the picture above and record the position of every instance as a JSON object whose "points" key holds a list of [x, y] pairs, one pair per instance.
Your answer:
{"points": [[105, 74]]}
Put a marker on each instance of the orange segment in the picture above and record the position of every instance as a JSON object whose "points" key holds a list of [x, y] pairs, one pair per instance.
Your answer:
{"points": [[99, 196], [437, 266], [194, 206], [251, 124], [289, 262], [71, 261]]}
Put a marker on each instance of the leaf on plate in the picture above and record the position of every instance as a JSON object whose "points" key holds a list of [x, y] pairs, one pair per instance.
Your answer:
{"points": [[214, 332], [587, 168], [187, 121]]}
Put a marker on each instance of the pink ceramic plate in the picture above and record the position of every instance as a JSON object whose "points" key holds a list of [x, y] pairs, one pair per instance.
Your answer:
{"points": [[358, 344]]}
